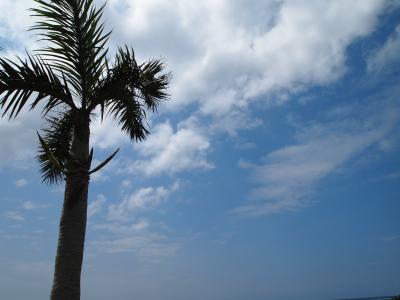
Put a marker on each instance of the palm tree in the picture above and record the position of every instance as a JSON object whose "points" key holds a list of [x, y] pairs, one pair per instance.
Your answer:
{"points": [[71, 79]]}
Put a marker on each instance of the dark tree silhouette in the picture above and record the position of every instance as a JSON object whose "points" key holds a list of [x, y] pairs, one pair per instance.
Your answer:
{"points": [[69, 79]]}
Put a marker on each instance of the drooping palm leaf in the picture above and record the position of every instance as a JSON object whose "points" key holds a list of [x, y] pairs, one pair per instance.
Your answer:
{"points": [[128, 90], [104, 162], [147, 80], [58, 137], [20, 80], [153, 84], [49, 154], [77, 40]]}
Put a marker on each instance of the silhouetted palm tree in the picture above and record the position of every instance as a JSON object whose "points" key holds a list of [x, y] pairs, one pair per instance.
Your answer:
{"points": [[69, 79]]}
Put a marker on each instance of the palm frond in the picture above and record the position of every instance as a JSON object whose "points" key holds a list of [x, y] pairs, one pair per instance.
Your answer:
{"points": [[117, 82], [77, 40], [153, 84], [147, 80], [58, 138], [104, 162], [20, 80], [129, 89], [130, 115]]}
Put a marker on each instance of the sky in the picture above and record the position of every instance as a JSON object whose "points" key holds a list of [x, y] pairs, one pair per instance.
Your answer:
{"points": [[271, 173]]}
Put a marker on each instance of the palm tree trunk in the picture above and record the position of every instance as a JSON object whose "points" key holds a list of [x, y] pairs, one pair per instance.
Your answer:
{"points": [[68, 265], [67, 274]]}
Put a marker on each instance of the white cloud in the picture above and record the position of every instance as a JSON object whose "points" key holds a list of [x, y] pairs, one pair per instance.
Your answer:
{"points": [[136, 237], [126, 184], [224, 238], [233, 121], [289, 174], [107, 134], [387, 55], [244, 164], [15, 21], [224, 54], [37, 268], [99, 176], [14, 216], [19, 138], [21, 182], [141, 200], [169, 151], [151, 246], [96, 205], [124, 229], [29, 205]]}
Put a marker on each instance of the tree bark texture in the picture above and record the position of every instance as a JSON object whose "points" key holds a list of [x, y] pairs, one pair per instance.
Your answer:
{"points": [[69, 257]]}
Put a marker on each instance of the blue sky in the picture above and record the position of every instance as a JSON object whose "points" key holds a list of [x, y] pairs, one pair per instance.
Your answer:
{"points": [[272, 173]]}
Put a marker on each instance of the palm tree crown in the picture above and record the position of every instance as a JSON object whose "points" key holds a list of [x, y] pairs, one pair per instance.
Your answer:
{"points": [[73, 76]]}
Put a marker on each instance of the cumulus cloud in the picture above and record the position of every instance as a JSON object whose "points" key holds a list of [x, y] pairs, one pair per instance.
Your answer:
{"points": [[171, 151], [107, 134], [15, 20], [141, 200], [224, 54], [288, 175], [124, 230]]}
